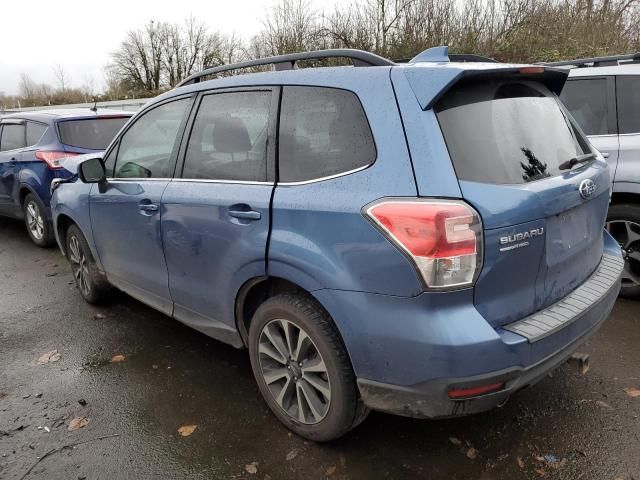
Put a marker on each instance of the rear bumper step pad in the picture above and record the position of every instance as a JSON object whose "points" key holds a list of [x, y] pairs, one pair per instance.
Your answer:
{"points": [[545, 322]]}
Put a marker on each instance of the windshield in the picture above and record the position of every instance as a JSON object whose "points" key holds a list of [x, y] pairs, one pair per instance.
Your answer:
{"points": [[90, 133], [507, 131]]}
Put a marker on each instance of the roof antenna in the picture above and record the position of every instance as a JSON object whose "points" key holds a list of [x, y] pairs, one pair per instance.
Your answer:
{"points": [[94, 109]]}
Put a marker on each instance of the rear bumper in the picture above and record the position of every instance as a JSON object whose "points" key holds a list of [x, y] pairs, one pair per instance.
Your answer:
{"points": [[430, 400], [409, 353]]}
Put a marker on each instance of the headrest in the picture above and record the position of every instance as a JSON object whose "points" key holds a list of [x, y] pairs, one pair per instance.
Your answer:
{"points": [[230, 135]]}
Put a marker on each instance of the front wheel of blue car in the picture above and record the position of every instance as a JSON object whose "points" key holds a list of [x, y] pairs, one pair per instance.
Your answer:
{"points": [[89, 281], [302, 368]]}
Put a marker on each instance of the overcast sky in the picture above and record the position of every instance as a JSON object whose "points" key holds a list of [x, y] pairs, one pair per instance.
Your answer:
{"points": [[35, 35]]}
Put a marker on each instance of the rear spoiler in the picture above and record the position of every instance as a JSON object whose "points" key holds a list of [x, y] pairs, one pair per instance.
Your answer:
{"points": [[430, 82]]}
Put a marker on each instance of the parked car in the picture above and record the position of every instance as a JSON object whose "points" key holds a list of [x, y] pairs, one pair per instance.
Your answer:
{"points": [[603, 95], [33, 147], [422, 239]]}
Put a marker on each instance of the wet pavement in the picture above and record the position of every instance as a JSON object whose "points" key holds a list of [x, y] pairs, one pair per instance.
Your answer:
{"points": [[588, 427]]}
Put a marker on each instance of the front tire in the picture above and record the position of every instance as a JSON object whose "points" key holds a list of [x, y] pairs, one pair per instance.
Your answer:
{"points": [[623, 223], [38, 227], [302, 368], [89, 281]]}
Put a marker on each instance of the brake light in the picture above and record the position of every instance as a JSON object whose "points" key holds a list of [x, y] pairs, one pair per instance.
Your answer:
{"points": [[442, 237], [531, 70], [53, 158]]}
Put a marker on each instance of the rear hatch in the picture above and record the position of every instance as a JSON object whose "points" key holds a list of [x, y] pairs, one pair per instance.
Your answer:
{"points": [[84, 135], [507, 139]]}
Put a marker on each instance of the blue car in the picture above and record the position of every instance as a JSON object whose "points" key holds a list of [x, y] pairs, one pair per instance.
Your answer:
{"points": [[423, 239], [33, 148]]}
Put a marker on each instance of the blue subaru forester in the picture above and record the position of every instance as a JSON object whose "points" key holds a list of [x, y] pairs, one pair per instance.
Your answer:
{"points": [[424, 239]]}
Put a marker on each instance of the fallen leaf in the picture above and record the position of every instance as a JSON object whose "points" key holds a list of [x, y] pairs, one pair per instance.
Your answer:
{"points": [[77, 423], [251, 468], [604, 404], [187, 430], [520, 462], [632, 392], [49, 357], [541, 472], [117, 358], [472, 453], [455, 441], [292, 454], [330, 471]]}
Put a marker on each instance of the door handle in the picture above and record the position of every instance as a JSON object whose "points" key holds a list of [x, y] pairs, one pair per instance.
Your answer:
{"points": [[605, 154], [148, 207], [248, 215]]}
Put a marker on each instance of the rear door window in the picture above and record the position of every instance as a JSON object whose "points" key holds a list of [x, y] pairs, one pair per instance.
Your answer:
{"points": [[586, 99], [507, 132], [323, 132], [146, 148], [13, 137], [35, 132], [628, 95], [90, 133], [229, 137]]}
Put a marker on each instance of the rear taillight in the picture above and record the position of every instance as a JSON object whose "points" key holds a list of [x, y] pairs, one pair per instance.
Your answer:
{"points": [[442, 237], [53, 158]]}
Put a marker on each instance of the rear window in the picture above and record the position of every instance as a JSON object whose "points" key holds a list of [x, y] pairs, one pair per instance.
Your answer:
{"points": [[507, 132], [91, 133]]}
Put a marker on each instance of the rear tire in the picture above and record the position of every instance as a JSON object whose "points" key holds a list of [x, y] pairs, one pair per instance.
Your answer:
{"points": [[308, 384], [92, 285], [39, 228], [623, 222]]}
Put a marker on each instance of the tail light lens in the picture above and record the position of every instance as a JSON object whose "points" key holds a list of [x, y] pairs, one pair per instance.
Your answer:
{"points": [[53, 158], [442, 237]]}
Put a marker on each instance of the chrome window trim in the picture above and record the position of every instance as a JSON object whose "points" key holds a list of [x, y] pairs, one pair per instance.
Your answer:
{"points": [[605, 135], [330, 177], [137, 179], [204, 180]]}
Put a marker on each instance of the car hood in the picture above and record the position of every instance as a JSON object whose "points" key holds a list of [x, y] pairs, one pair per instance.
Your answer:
{"points": [[71, 163]]}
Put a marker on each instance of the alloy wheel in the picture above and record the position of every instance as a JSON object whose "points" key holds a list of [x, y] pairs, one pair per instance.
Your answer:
{"points": [[35, 222], [627, 234], [294, 371], [79, 265]]}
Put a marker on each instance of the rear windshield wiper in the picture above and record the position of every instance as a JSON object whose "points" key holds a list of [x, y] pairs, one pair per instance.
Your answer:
{"points": [[576, 160]]}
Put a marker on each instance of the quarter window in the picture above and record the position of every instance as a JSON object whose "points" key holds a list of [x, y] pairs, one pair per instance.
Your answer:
{"points": [[323, 132], [628, 94], [229, 138], [587, 101], [35, 132], [146, 148], [12, 137]]}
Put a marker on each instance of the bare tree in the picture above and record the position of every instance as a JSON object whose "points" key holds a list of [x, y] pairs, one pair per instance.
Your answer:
{"points": [[61, 76]]}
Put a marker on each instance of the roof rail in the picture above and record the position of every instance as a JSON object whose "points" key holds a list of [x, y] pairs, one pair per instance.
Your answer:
{"points": [[359, 58], [597, 61]]}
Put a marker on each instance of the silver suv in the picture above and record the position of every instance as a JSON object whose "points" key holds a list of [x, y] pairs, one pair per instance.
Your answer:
{"points": [[603, 95]]}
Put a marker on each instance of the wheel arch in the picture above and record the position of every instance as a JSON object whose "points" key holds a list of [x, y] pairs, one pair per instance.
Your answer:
{"points": [[625, 197], [63, 222], [258, 289]]}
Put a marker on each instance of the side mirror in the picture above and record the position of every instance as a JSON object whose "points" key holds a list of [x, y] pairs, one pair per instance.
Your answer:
{"points": [[92, 171]]}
